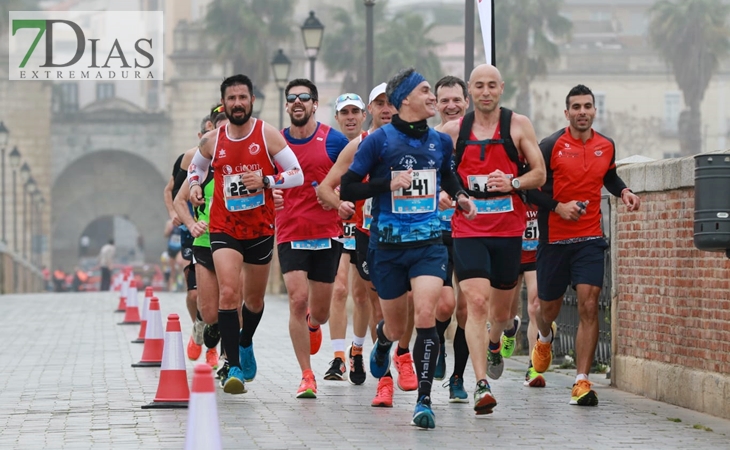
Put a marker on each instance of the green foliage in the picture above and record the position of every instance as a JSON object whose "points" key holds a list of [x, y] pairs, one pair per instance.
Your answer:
{"points": [[14, 5], [247, 32], [699, 426], [674, 419]]}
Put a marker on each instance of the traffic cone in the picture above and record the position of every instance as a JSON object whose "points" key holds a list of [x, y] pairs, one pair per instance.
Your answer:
{"points": [[131, 315], [148, 292], [203, 429], [123, 290], [154, 342], [172, 390]]}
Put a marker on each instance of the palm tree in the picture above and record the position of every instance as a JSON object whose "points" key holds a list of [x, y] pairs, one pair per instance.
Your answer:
{"points": [[525, 33], [692, 37], [246, 33]]}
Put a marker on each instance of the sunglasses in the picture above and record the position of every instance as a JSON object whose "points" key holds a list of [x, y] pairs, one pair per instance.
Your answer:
{"points": [[345, 97], [304, 97], [218, 109]]}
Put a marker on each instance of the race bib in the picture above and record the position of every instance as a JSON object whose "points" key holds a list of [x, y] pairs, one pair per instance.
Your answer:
{"points": [[312, 244], [349, 235], [447, 214], [237, 197], [367, 216], [420, 197], [531, 236], [493, 205]]}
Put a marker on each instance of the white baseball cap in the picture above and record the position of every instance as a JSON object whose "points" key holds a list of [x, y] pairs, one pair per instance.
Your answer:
{"points": [[377, 90], [348, 99]]}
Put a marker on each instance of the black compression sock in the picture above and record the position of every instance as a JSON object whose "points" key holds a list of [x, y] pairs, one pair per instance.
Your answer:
{"points": [[250, 323], [425, 353]]}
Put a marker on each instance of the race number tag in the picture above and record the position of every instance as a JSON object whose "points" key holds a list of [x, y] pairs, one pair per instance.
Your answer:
{"points": [[446, 215], [367, 216], [493, 205], [237, 197], [349, 235], [312, 244], [420, 197], [531, 236]]}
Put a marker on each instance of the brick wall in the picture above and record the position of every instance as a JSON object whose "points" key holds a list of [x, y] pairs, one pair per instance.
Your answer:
{"points": [[671, 308]]}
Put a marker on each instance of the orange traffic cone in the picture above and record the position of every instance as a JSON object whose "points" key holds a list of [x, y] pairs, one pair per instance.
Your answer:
{"points": [[131, 315], [148, 292], [122, 307], [203, 429], [154, 342], [172, 390]]}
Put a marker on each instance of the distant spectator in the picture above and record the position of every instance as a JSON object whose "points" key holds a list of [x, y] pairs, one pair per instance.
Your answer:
{"points": [[106, 260]]}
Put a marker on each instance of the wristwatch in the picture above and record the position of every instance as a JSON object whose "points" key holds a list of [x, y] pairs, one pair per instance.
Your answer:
{"points": [[515, 184], [266, 182]]}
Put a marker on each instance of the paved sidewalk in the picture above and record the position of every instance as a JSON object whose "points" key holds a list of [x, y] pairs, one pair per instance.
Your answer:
{"points": [[66, 382]]}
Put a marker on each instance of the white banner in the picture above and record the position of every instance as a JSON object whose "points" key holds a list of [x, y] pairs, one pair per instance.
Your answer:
{"points": [[486, 18]]}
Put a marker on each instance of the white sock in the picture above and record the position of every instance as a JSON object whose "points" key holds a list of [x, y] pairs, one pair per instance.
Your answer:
{"points": [[338, 345], [358, 341], [545, 339], [581, 376]]}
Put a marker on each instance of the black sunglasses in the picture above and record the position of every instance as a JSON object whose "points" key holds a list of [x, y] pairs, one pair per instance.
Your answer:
{"points": [[304, 97]]}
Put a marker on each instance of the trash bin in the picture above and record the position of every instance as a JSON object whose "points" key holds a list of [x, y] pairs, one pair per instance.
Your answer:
{"points": [[712, 202]]}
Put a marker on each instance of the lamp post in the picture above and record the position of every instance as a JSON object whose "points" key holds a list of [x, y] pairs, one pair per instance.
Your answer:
{"points": [[28, 191], [281, 65], [28, 183], [369, 50], [3, 142], [39, 228], [258, 104], [312, 32], [14, 157]]}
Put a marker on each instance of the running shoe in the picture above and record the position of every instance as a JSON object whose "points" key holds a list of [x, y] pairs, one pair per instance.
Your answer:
{"points": [[457, 394], [423, 416], [234, 381], [194, 350], [384, 393], [308, 386], [315, 338], [484, 401], [533, 378], [440, 371], [222, 373], [495, 364], [248, 362], [211, 357], [583, 395], [407, 380], [380, 359], [198, 328], [508, 343], [357, 366], [336, 372], [542, 355]]}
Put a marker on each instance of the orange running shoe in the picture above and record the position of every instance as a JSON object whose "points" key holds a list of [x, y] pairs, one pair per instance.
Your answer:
{"points": [[211, 357], [308, 386], [583, 395], [315, 338], [384, 394], [194, 350], [542, 356], [407, 380]]}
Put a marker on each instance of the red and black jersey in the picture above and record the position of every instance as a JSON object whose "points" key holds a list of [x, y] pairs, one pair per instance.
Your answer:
{"points": [[360, 213], [575, 171]]}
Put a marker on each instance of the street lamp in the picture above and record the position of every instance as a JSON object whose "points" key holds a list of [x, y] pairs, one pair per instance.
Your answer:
{"points": [[29, 188], [40, 202], [312, 32], [14, 158], [4, 134], [369, 50], [258, 104], [281, 65]]}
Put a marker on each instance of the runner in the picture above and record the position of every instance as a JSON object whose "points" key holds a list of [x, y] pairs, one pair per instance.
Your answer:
{"points": [[241, 217], [491, 146], [452, 102], [406, 162], [305, 232]]}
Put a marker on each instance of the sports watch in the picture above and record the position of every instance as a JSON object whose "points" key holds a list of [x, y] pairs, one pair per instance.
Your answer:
{"points": [[515, 184]]}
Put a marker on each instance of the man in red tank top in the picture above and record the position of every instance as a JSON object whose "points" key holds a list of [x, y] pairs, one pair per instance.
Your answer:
{"points": [[487, 249], [241, 217], [305, 232]]}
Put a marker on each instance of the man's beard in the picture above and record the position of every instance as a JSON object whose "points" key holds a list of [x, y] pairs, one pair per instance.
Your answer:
{"points": [[238, 121], [300, 122]]}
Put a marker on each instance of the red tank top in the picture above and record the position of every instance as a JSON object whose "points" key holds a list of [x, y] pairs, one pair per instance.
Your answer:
{"points": [[530, 237], [302, 217], [507, 216], [362, 217], [234, 210]]}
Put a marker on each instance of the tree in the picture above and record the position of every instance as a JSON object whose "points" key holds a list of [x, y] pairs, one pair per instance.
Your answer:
{"points": [[246, 33], [691, 36], [525, 33], [14, 5]]}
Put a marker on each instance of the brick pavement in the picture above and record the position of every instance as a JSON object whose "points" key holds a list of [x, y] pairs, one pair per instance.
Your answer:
{"points": [[66, 382]]}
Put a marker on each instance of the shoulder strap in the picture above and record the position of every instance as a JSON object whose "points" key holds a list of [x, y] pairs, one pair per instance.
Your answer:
{"points": [[464, 133], [505, 121]]}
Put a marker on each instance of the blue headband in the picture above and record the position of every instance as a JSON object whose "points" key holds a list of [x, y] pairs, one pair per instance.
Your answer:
{"points": [[405, 88]]}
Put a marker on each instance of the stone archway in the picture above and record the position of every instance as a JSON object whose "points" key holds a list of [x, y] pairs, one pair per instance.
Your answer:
{"points": [[107, 183]]}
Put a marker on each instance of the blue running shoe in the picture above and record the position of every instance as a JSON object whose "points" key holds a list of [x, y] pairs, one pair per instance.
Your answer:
{"points": [[234, 382], [440, 372], [380, 359], [423, 416], [457, 394], [248, 362]]}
